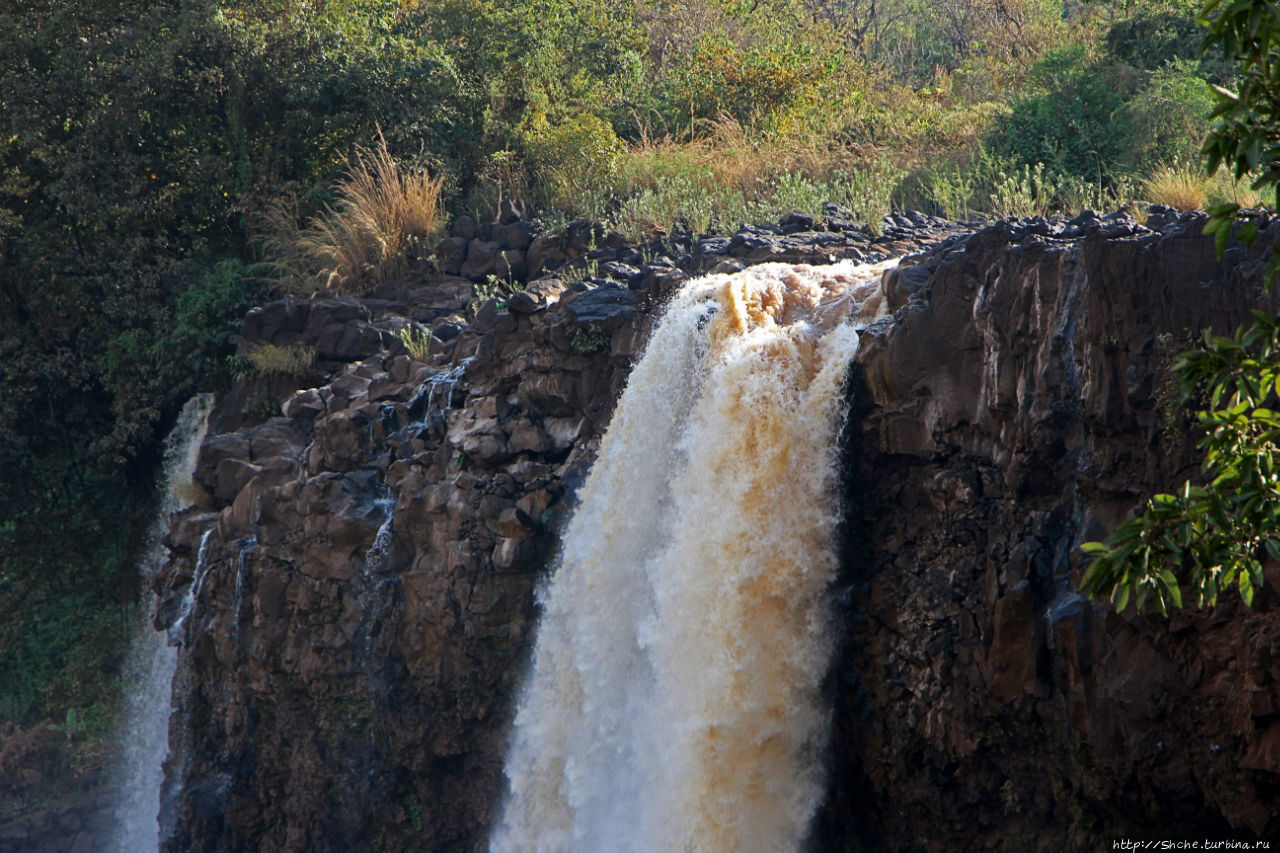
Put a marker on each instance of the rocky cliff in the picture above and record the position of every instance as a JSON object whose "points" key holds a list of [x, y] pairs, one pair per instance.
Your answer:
{"points": [[1018, 404], [364, 569]]}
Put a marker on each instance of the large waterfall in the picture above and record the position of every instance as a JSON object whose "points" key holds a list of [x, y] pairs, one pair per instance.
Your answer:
{"points": [[673, 700], [152, 662]]}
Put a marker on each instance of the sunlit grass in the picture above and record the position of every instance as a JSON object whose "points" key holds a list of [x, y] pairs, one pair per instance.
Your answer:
{"points": [[383, 210]]}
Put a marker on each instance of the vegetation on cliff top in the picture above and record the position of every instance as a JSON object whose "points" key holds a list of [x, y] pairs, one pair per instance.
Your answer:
{"points": [[163, 168]]}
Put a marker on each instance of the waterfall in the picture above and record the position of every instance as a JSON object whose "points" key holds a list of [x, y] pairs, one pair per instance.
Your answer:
{"points": [[673, 702], [150, 668]]}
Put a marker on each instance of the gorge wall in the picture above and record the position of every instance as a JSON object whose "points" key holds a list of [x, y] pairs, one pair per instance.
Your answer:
{"points": [[366, 562]]}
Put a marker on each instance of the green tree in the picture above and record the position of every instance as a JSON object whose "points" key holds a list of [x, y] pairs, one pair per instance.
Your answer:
{"points": [[135, 141]]}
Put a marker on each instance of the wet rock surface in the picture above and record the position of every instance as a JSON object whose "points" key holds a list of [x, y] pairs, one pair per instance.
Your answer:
{"points": [[381, 527]]}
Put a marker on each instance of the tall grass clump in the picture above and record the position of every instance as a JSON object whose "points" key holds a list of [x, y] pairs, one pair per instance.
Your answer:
{"points": [[1181, 187], [416, 340], [284, 360], [1224, 188], [692, 201], [383, 211], [1186, 187], [1036, 190]]}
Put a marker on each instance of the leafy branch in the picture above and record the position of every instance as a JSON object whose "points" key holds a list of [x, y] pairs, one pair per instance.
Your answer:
{"points": [[1216, 536], [1245, 130]]}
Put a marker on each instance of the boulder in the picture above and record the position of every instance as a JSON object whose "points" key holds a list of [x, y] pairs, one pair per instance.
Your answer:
{"points": [[482, 260], [608, 306], [451, 254]]}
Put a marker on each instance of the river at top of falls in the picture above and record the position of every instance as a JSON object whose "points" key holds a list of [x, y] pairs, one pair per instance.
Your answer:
{"points": [[149, 671], [673, 700]]}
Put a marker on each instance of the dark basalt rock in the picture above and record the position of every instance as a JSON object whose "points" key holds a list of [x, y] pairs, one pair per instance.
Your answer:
{"points": [[608, 305], [451, 253]]}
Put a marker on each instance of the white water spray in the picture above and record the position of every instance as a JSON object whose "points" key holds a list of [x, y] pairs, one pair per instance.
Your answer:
{"points": [[149, 671], [673, 703]]}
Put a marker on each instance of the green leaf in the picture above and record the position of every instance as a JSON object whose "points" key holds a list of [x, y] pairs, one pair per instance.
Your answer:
{"points": [[1246, 588], [1170, 584], [1120, 598], [1271, 271]]}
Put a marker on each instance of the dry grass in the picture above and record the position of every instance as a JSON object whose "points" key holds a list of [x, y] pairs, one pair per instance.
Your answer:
{"points": [[1224, 188], [728, 156], [292, 360], [1179, 187], [383, 210]]}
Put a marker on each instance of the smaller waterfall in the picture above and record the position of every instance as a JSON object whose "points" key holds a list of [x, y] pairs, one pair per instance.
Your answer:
{"points": [[242, 580], [375, 559], [177, 635], [434, 398], [149, 671]]}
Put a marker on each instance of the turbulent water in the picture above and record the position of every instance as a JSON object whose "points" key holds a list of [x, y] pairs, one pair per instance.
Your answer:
{"points": [[151, 665], [673, 700]]}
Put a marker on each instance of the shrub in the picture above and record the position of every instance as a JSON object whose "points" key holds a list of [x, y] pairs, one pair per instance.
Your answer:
{"points": [[1154, 36], [695, 200], [867, 190], [589, 341], [1028, 191], [755, 84], [1038, 191], [1166, 119], [577, 160], [416, 340], [1070, 126]]}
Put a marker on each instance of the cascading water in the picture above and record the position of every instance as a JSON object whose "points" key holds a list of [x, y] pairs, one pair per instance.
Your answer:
{"points": [[149, 671], [673, 701]]}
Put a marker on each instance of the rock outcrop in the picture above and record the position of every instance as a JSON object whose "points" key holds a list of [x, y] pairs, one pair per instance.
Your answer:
{"points": [[371, 553]]}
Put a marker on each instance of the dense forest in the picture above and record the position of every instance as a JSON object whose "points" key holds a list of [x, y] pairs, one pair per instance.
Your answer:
{"points": [[164, 167]]}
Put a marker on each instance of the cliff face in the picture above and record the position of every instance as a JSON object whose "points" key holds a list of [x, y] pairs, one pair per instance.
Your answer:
{"points": [[365, 569], [1019, 405], [366, 565]]}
